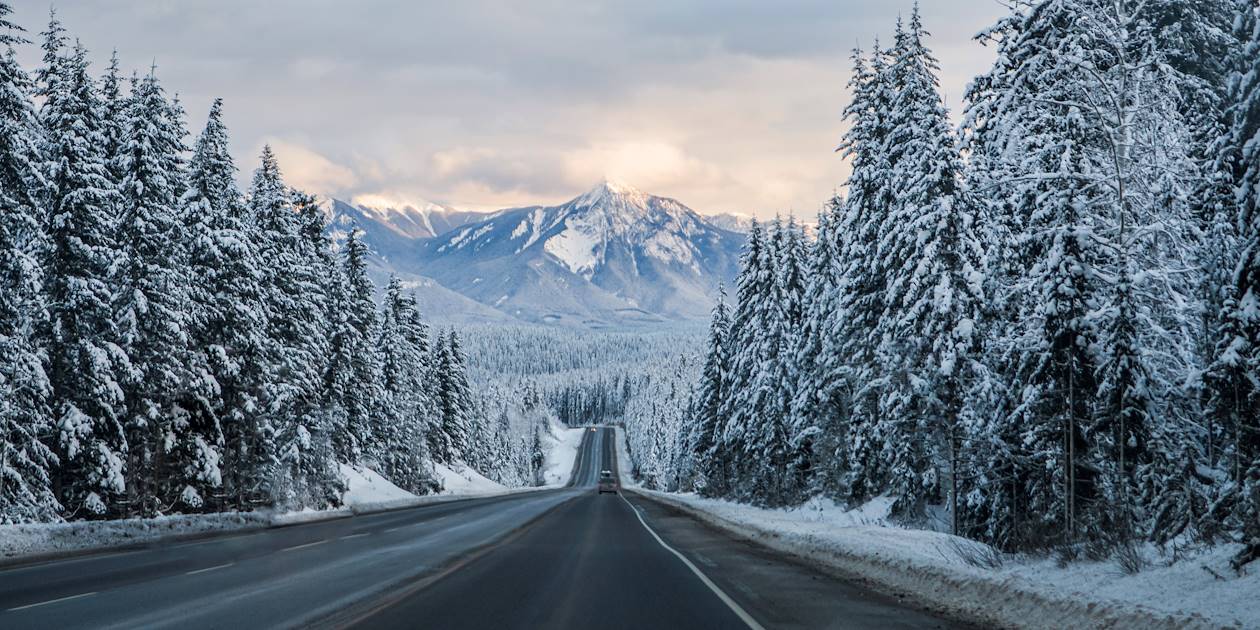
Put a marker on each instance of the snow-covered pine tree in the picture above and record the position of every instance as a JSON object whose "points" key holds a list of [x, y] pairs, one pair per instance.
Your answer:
{"points": [[462, 392], [52, 42], [226, 319], [849, 373], [708, 421], [1235, 370], [84, 359], [228, 324], [152, 302], [754, 288], [933, 295], [289, 449], [402, 349], [114, 116], [448, 440], [814, 427], [307, 442], [769, 439], [1036, 153], [27, 464], [352, 380]]}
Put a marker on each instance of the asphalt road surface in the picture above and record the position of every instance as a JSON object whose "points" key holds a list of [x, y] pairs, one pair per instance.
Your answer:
{"points": [[562, 558]]}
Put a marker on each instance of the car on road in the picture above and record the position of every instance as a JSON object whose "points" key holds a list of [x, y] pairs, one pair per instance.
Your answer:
{"points": [[608, 483]]}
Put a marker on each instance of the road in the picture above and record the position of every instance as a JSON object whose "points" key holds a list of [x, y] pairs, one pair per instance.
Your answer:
{"points": [[561, 558]]}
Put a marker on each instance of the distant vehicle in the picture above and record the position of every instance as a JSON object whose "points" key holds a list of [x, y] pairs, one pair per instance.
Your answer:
{"points": [[593, 429], [607, 482]]}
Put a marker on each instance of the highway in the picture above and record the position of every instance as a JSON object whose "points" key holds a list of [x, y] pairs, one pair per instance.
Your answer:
{"points": [[559, 558]]}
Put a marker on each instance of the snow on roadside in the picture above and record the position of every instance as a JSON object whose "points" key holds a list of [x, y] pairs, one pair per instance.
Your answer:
{"points": [[926, 566], [458, 479], [366, 486], [367, 491], [561, 444], [623, 460], [51, 538]]}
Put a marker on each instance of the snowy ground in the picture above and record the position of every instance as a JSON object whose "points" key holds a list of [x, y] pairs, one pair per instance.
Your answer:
{"points": [[561, 444], [1196, 591], [367, 491], [459, 479]]}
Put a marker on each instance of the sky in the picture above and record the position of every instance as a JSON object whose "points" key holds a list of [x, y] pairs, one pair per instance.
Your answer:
{"points": [[725, 105]]}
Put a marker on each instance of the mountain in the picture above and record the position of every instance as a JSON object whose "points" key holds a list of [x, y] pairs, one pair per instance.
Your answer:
{"points": [[395, 233], [610, 257], [731, 221], [392, 230]]}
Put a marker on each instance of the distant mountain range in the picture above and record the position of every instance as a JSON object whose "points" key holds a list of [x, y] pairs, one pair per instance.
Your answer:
{"points": [[612, 257]]}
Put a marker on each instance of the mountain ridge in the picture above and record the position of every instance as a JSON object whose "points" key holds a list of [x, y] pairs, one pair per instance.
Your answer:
{"points": [[612, 256]]}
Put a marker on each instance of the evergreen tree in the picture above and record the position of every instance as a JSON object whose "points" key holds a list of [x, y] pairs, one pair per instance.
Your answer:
{"points": [[152, 301], [708, 414], [849, 373], [227, 324], [352, 380], [115, 116], [47, 75], [403, 352], [308, 434], [26, 462], [84, 358], [448, 441], [933, 294], [753, 287], [1235, 371], [816, 432]]}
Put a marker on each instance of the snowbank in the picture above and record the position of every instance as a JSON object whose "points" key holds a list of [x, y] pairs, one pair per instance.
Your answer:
{"points": [[624, 461], [928, 567], [365, 486], [367, 491], [52, 539], [459, 479], [562, 444]]}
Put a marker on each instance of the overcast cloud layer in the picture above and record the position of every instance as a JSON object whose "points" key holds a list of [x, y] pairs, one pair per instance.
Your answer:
{"points": [[726, 105]]}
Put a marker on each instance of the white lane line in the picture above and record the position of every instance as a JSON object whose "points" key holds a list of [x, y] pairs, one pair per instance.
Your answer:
{"points": [[359, 535], [208, 569], [730, 603], [52, 601], [295, 547]]}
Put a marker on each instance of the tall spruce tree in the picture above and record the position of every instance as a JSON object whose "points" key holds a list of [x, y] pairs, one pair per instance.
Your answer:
{"points": [[85, 361], [26, 462], [1235, 370], [708, 416], [933, 294], [849, 371], [152, 301], [228, 324], [816, 420], [352, 380]]}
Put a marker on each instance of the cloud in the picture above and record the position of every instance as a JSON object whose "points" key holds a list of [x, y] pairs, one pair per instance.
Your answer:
{"points": [[305, 169], [726, 105], [648, 164]]}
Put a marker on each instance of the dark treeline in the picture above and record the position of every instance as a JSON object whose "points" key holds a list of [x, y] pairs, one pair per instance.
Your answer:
{"points": [[1045, 325], [170, 344]]}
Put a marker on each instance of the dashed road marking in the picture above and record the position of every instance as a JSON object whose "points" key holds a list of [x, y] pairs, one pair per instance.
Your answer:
{"points": [[52, 601], [296, 547], [359, 535], [209, 569]]}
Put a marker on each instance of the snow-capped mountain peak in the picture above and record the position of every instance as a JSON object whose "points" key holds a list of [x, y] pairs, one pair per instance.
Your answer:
{"points": [[611, 192], [631, 250]]}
